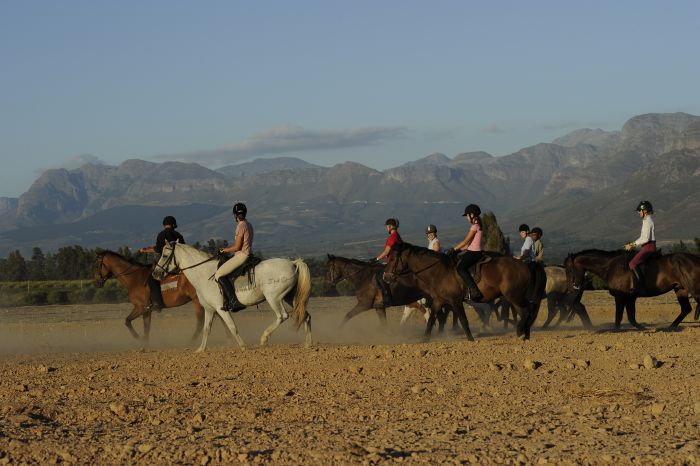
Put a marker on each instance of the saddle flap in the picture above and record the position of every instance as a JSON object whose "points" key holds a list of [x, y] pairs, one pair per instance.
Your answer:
{"points": [[475, 270], [248, 267]]}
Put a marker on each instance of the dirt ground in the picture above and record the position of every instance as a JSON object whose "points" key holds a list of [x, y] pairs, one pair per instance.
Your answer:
{"points": [[76, 389]]}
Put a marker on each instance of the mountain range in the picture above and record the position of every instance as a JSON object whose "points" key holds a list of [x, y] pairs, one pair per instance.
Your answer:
{"points": [[581, 189]]}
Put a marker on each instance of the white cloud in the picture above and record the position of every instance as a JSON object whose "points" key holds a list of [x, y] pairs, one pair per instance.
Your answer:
{"points": [[288, 139], [492, 128]]}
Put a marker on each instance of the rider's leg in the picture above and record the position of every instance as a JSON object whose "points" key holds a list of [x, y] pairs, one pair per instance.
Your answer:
{"points": [[231, 300], [637, 286], [468, 259], [156, 298]]}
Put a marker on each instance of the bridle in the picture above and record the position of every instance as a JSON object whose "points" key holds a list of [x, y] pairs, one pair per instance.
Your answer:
{"points": [[339, 277], [103, 278], [178, 269]]}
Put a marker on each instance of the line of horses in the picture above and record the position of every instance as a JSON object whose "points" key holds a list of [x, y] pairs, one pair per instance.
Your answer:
{"points": [[416, 276]]}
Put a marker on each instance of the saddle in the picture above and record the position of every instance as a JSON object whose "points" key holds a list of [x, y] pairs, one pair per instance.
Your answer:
{"points": [[643, 266], [475, 270], [169, 283], [247, 268]]}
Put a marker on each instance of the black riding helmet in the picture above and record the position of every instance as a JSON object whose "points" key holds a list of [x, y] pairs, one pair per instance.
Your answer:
{"points": [[170, 220], [472, 209], [524, 227], [537, 230], [240, 209], [392, 221], [431, 229], [645, 205]]}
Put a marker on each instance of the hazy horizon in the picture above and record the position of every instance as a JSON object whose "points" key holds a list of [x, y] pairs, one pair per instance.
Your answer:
{"points": [[369, 82]]}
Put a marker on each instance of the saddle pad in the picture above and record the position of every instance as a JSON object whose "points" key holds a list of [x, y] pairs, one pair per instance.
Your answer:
{"points": [[475, 269], [169, 283]]}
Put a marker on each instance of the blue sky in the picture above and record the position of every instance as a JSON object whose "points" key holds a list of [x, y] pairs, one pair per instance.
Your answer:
{"points": [[377, 82]]}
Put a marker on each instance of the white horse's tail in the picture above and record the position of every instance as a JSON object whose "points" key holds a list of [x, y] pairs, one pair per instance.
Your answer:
{"points": [[303, 291]]}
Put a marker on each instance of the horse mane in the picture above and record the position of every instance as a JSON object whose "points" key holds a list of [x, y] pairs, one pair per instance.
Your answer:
{"points": [[348, 260], [423, 252], [202, 254], [119, 256]]}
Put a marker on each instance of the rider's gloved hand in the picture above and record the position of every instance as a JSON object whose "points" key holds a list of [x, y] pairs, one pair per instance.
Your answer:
{"points": [[221, 251], [374, 260], [451, 251]]}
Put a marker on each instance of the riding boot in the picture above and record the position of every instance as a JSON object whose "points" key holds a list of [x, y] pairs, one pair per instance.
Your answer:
{"points": [[156, 298], [637, 282], [386, 294], [231, 302], [474, 295]]}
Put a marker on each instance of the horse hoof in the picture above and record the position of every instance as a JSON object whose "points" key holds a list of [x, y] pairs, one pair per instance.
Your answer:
{"points": [[199, 350]]}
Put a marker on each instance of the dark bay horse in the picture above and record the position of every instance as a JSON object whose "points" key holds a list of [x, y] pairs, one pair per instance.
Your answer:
{"points": [[679, 272], [133, 276], [363, 277], [437, 277]]}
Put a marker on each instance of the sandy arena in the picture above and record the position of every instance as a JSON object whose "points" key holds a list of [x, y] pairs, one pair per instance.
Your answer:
{"points": [[75, 389]]}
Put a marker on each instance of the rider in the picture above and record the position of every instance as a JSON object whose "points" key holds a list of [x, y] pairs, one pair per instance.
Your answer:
{"points": [[471, 244], [392, 226], [433, 241], [647, 244], [536, 234], [241, 249], [168, 234], [527, 251]]}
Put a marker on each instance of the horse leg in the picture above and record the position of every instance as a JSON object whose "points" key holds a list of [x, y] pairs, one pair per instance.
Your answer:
{"points": [[199, 313], [358, 309], [430, 324], [228, 320], [407, 311], [381, 313], [282, 315], [441, 316], [632, 313], [135, 312], [552, 309], [580, 310], [619, 309], [684, 302], [146, 329], [522, 324], [462, 316]]}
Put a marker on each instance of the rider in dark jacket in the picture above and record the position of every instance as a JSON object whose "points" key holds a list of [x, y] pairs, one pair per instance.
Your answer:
{"points": [[168, 234]]}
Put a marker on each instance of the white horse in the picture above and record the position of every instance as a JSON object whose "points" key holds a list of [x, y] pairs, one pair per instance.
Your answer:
{"points": [[275, 280]]}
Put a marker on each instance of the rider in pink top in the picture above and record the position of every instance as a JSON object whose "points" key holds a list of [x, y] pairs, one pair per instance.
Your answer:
{"points": [[471, 245]]}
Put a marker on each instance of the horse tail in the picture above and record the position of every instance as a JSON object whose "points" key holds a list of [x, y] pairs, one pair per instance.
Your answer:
{"points": [[303, 291]]}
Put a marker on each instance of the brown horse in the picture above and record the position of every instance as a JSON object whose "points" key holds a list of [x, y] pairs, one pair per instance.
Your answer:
{"points": [[679, 272], [437, 277], [363, 277], [134, 277]]}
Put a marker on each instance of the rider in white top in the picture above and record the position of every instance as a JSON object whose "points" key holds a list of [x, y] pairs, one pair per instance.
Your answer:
{"points": [[527, 251], [433, 241]]}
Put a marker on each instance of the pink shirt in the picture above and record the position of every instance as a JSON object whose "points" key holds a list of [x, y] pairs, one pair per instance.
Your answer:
{"points": [[475, 244], [245, 231]]}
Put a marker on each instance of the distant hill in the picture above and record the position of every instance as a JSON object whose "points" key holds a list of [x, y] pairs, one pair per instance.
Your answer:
{"points": [[580, 188]]}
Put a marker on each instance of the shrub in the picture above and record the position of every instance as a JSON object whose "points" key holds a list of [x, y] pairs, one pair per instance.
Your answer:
{"points": [[36, 298], [57, 297]]}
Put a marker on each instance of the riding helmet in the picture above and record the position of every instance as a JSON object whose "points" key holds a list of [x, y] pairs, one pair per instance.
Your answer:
{"points": [[537, 230], [392, 221], [431, 229], [645, 205], [524, 227], [170, 220], [240, 209], [472, 209]]}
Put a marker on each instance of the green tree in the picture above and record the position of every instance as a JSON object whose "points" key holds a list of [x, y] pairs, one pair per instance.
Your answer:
{"points": [[36, 268], [493, 236], [15, 267], [679, 247], [697, 245]]}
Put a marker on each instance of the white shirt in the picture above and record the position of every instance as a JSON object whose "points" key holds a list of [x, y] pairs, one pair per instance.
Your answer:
{"points": [[432, 242], [647, 232], [527, 252]]}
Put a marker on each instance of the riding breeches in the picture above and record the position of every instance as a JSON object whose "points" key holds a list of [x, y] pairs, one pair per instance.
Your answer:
{"points": [[468, 259], [647, 249], [230, 265]]}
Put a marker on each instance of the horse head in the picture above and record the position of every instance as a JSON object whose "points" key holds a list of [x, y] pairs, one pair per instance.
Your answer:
{"points": [[575, 274], [102, 271], [333, 274], [167, 263]]}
